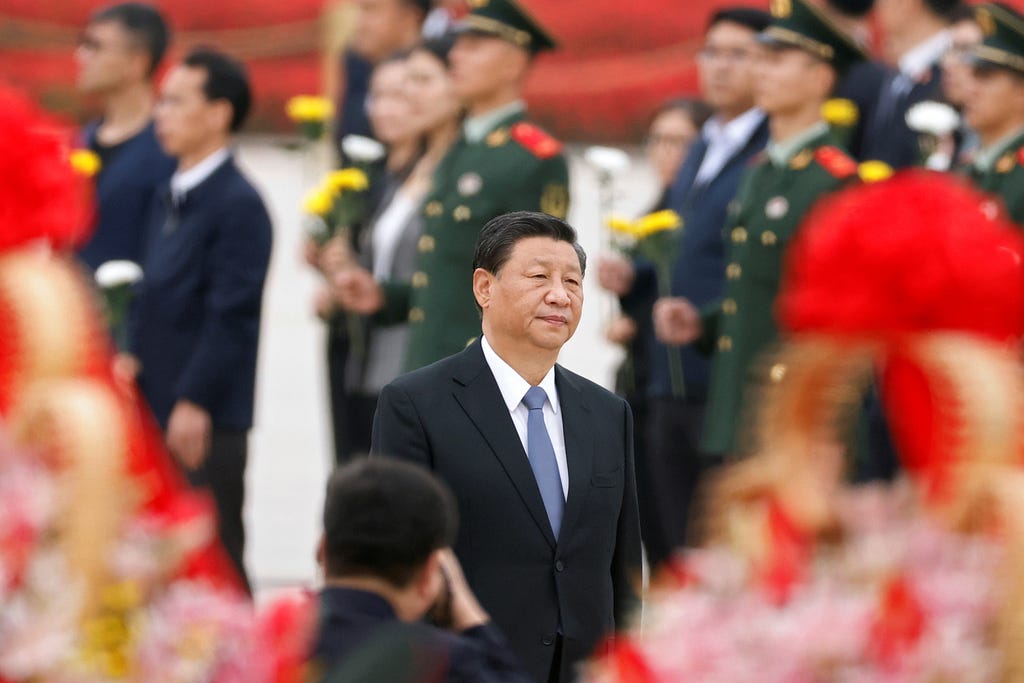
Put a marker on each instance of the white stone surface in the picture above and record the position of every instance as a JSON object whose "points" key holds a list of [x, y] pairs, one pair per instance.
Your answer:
{"points": [[290, 453]]}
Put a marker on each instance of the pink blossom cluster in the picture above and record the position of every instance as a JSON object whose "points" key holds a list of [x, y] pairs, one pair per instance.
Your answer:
{"points": [[844, 622]]}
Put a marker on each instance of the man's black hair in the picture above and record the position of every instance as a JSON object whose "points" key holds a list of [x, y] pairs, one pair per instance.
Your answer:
{"points": [[383, 518], [226, 79], [439, 46], [498, 238], [755, 19], [854, 9], [696, 110], [143, 23]]}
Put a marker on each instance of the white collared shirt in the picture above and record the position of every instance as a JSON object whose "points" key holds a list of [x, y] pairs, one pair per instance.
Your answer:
{"points": [[513, 388], [724, 141], [919, 60], [182, 182]]}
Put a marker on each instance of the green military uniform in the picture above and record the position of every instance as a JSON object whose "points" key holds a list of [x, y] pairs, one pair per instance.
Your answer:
{"points": [[999, 168], [501, 163], [774, 196]]}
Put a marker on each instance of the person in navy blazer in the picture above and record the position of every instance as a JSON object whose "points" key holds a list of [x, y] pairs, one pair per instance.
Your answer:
{"points": [[556, 584], [704, 186], [194, 325]]}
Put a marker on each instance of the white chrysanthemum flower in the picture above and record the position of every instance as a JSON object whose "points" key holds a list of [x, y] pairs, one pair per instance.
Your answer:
{"points": [[607, 159], [362, 150], [933, 118], [117, 273]]}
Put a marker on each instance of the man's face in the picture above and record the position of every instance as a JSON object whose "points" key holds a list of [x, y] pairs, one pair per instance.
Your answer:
{"points": [[993, 96], [536, 297], [956, 74], [482, 65], [109, 58], [185, 120], [726, 67], [380, 27], [788, 78]]}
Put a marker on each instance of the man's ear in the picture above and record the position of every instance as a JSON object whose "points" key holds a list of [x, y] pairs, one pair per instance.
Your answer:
{"points": [[430, 580], [222, 113], [482, 283], [321, 552]]}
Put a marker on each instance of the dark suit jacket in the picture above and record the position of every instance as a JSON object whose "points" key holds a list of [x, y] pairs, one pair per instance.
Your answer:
{"points": [[361, 640], [450, 417], [195, 320], [887, 136], [699, 269]]}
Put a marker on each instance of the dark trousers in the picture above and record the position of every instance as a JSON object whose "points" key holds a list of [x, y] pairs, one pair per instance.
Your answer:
{"points": [[223, 475], [674, 468], [351, 414]]}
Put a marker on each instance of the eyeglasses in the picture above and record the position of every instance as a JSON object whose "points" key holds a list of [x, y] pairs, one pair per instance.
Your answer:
{"points": [[733, 55], [661, 140]]}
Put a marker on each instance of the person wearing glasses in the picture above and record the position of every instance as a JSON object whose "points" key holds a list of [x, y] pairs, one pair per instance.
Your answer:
{"points": [[119, 53], [671, 464]]}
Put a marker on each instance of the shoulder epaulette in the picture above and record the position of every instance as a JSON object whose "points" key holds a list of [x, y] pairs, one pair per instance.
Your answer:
{"points": [[535, 140], [835, 161]]}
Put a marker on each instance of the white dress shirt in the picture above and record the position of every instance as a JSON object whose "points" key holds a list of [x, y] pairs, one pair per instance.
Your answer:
{"points": [[513, 388], [918, 60], [182, 182], [724, 141]]}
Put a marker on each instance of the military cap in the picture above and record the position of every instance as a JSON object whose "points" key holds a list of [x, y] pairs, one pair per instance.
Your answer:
{"points": [[507, 20], [1003, 43], [798, 23]]}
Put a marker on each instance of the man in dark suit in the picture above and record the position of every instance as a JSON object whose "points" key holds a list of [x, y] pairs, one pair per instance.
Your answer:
{"points": [[540, 459], [385, 553], [701, 193], [194, 327], [916, 36]]}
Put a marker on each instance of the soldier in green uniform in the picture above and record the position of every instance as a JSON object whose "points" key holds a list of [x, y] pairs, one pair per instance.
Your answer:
{"points": [[500, 163], [995, 107], [805, 54]]}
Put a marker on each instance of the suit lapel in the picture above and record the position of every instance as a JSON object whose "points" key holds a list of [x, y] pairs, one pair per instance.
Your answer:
{"points": [[477, 393], [579, 447]]}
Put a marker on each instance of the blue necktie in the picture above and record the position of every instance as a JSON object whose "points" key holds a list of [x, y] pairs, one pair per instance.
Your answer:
{"points": [[542, 458]]}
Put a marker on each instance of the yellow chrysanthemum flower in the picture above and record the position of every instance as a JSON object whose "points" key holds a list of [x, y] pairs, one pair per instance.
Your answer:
{"points": [[309, 108], [85, 162], [874, 171], [347, 179], [659, 221], [319, 201], [840, 112], [622, 225]]}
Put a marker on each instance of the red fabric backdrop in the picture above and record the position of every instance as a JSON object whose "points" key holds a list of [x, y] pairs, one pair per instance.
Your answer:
{"points": [[618, 61]]}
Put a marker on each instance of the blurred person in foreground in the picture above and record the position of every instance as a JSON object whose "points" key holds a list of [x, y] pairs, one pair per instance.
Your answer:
{"points": [[382, 29], [500, 163], [700, 193], [118, 55], [394, 126], [540, 459], [806, 53], [390, 240], [195, 322], [387, 564], [995, 107]]}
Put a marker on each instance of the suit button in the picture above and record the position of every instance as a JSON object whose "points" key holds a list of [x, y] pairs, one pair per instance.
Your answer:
{"points": [[769, 238], [729, 307], [416, 315], [434, 209], [420, 279], [725, 343], [559, 566], [548, 640], [739, 235], [733, 271], [426, 244]]}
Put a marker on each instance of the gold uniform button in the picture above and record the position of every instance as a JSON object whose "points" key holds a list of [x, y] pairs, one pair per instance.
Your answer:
{"points": [[434, 209], [416, 315], [420, 279], [729, 307], [725, 343], [769, 238], [777, 373], [739, 235], [426, 244], [461, 213], [733, 271]]}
